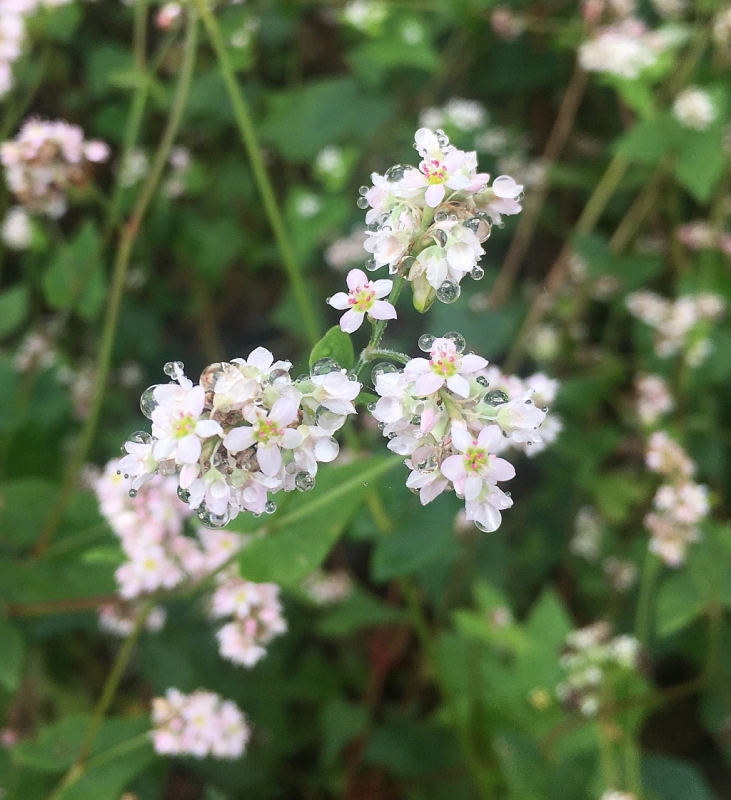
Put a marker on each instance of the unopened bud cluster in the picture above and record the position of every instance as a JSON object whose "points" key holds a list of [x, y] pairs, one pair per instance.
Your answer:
{"points": [[428, 224], [47, 158], [443, 414], [246, 431], [199, 724], [593, 660]]}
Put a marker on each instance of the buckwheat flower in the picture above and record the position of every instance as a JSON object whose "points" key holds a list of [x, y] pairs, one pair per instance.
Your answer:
{"points": [[615, 794], [625, 49], [269, 432], [36, 351], [622, 575], [119, 619], [199, 724], [176, 423], [167, 15], [484, 510], [476, 464], [327, 588], [653, 398], [694, 109], [365, 15], [506, 24], [364, 297], [17, 232], [346, 251], [587, 539], [444, 367]]}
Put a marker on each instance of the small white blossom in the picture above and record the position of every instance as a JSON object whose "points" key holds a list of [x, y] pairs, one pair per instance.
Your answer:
{"points": [[693, 108]]}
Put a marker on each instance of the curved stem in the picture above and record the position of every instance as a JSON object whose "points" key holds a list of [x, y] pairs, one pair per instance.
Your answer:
{"points": [[119, 277], [644, 604], [378, 330], [261, 176], [78, 768]]}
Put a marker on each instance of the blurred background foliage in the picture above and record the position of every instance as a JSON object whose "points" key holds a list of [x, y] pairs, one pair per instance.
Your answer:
{"points": [[411, 687]]}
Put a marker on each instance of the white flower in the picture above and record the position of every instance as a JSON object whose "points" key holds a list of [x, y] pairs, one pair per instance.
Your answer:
{"points": [[445, 366], [693, 108], [363, 298], [477, 465], [17, 232], [485, 509]]}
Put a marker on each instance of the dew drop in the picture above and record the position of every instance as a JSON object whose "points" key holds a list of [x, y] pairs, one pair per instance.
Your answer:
{"points": [[477, 273], [361, 202], [183, 494], [371, 265], [457, 339], [508, 494], [278, 376], [371, 407], [363, 191], [211, 374], [270, 507], [448, 292], [440, 216], [323, 367], [426, 340], [480, 526], [396, 172], [482, 380], [496, 397], [172, 368], [139, 437], [382, 368], [147, 402], [168, 467], [304, 481], [210, 520], [132, 493], [440, 237], [329, 420]]}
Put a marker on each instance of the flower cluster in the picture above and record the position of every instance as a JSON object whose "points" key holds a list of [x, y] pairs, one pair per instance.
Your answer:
{"points": [[624, 49], [199, 724], [676, 322], [428, 224], [246, 431], [149, 522], [464, 115], [680, 504], [700, 235], [47, 158], [653, 398], [119, 618], [592, 659], [325, 588], [257, 618], [694, 109], [587, 539], [443, 415], [17, 232]]}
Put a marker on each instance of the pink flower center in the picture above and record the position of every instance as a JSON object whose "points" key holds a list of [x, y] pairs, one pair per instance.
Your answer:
{"points": [[268, 432], [445, 365], [476, 459], [183, 426], [434, 170], [362, 297]]}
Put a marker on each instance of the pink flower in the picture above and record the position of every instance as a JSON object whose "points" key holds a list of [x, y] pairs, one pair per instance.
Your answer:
{"points": [[269, 432], [363, 298], [476, 465], [446, 366]]}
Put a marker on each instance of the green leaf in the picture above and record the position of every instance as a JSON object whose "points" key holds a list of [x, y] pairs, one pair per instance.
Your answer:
{"points": [[646, 142], [24, 509], [71, 270], [418, 540], [299, 539], [14, 307], [360, 610], [700, 164], [672, 779], [678, 604], [335, 344], [340, 722], [12, 648]]}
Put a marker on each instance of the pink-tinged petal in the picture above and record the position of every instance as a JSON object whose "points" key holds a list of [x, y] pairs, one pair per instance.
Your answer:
{"points": [[428, 383], [461, 257], [189, 449], [339, 301], [490, 437], [459, 385], [163, 448], [417, 366], [382, 287], [459, 182], [239, 439], [505, 186], [168, 394], [208, 427], [432, 490], [326, 449], [501, 470], [434, 195], [461, 438], [195, 399], [260, 358], [270, 459], [291, 439], [505, 205], [487, 515], [388, 409], [454, 160], [356, 278], [188, 474], [473, 363], [284, 411], [429, 418], [472, 487], [413, 179], [453, 468], [351, 321], [382, 310]]}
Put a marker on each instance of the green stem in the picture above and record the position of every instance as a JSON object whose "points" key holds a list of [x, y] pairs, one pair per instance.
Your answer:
{"points": [[261, 176], [644, 604], [119, 277], [632, 768], [608, 763], [384, 352], [80, 765]]}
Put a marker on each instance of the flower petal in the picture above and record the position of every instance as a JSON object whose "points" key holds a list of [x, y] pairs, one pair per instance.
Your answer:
{"points": [[472, 487], [434, 195], [356, 278], [459, 385], [189, 449], [260, 358], [270, 459], [208, 427], [382, 287], [453, 468], [239, 439], [473, 363], [461, 438], [351, 321], [382, 310], [284, 411], [428, 383], [339, 301]]}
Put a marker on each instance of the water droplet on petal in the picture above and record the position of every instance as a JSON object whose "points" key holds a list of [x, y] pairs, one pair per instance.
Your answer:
{"points": [[440, 237], [477, 273], [168, 467], [324, 366], [371, 265], [172, 367], [426, 340], [211, 374], [304, 481], [482, 380], [448, 292], [139, 437], [371, 407], [183, 494], [396, 172], [361, 202], [382, 368], [363, 191], [496, 397], [147, 402], [329, 420], [210, 520], [457, 339], [270, 507], [132, 493], [480, 526]]}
